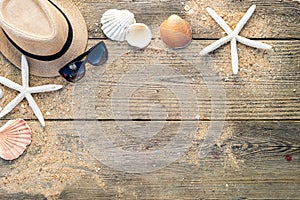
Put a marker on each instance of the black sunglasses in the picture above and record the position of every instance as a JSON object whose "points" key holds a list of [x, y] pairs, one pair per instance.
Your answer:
{"points": [[75, 70]]}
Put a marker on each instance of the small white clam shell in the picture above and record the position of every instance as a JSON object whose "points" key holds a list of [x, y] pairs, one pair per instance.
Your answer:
{"points": [[1, 93], [15, 135], [115, 22], [138, 35]]}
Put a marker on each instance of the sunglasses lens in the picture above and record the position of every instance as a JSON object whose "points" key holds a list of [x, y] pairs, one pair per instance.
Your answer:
{"points": [[73, 72], [98, 55]]}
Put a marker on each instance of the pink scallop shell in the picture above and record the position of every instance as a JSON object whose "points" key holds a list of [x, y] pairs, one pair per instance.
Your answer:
{"points": [[15, 135]]}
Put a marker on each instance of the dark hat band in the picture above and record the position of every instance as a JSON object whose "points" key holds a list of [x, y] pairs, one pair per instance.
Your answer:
{"points": [[49, 57]]}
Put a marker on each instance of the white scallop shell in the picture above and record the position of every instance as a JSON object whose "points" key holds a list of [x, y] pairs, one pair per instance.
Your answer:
{"points": [[115, 22], [138, 35], [15, 135]]}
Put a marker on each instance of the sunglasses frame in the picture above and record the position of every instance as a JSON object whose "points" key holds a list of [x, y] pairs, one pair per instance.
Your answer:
{"points": [[81, 58]]}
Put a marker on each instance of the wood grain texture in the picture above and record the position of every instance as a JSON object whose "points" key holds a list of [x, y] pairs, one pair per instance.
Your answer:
{"points": [[21, 196], [266, 88], [258, 170], [272, 19], [141, 98], [248, 162]]}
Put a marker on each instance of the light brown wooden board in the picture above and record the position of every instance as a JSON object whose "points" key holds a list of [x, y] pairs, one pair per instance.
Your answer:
{"points": [[272, 19]]}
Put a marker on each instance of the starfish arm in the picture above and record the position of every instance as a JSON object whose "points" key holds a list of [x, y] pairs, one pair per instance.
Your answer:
{"points": [[234, 57], [25, 71], [253, 43], [36, 109], [44, 88], [219, 20], [215, 45], [10, 84], [11, 105], [244, 20]]}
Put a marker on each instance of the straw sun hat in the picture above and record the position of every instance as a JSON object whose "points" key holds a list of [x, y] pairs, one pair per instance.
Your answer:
{"points": [[49, 33]]}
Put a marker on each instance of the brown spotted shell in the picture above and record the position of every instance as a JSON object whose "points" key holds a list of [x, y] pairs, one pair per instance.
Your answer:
{"points": [[175, 32]]}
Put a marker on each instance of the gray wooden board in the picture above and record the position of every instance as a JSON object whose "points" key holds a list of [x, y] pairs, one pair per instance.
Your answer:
{"points": [[249, 163]]}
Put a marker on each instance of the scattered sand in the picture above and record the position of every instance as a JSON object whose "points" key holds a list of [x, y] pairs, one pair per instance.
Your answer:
{"points": [[47, 168]]}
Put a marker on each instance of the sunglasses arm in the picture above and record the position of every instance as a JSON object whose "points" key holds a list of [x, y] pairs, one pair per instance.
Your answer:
{"points": [[80, 57]]}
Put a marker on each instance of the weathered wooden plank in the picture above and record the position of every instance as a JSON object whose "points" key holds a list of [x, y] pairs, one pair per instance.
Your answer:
{"points": [[265, 88], [226, 173], [247, 162], [21, 196], [272, 19]]}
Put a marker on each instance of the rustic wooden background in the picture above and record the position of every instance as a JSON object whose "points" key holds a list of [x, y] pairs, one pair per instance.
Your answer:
{"points": [[261, 123]]}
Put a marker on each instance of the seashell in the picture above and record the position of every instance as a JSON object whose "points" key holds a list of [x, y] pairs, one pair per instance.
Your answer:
{"points": [[15, 135], [175, 32], [115, 22], [138, 35]]}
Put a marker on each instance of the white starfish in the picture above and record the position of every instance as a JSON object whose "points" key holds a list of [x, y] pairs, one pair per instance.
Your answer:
{"points": [[233, 36], [25, 92]]}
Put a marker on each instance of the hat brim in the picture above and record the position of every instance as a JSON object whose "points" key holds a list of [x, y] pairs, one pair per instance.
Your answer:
{"points": [[50, 68]]}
